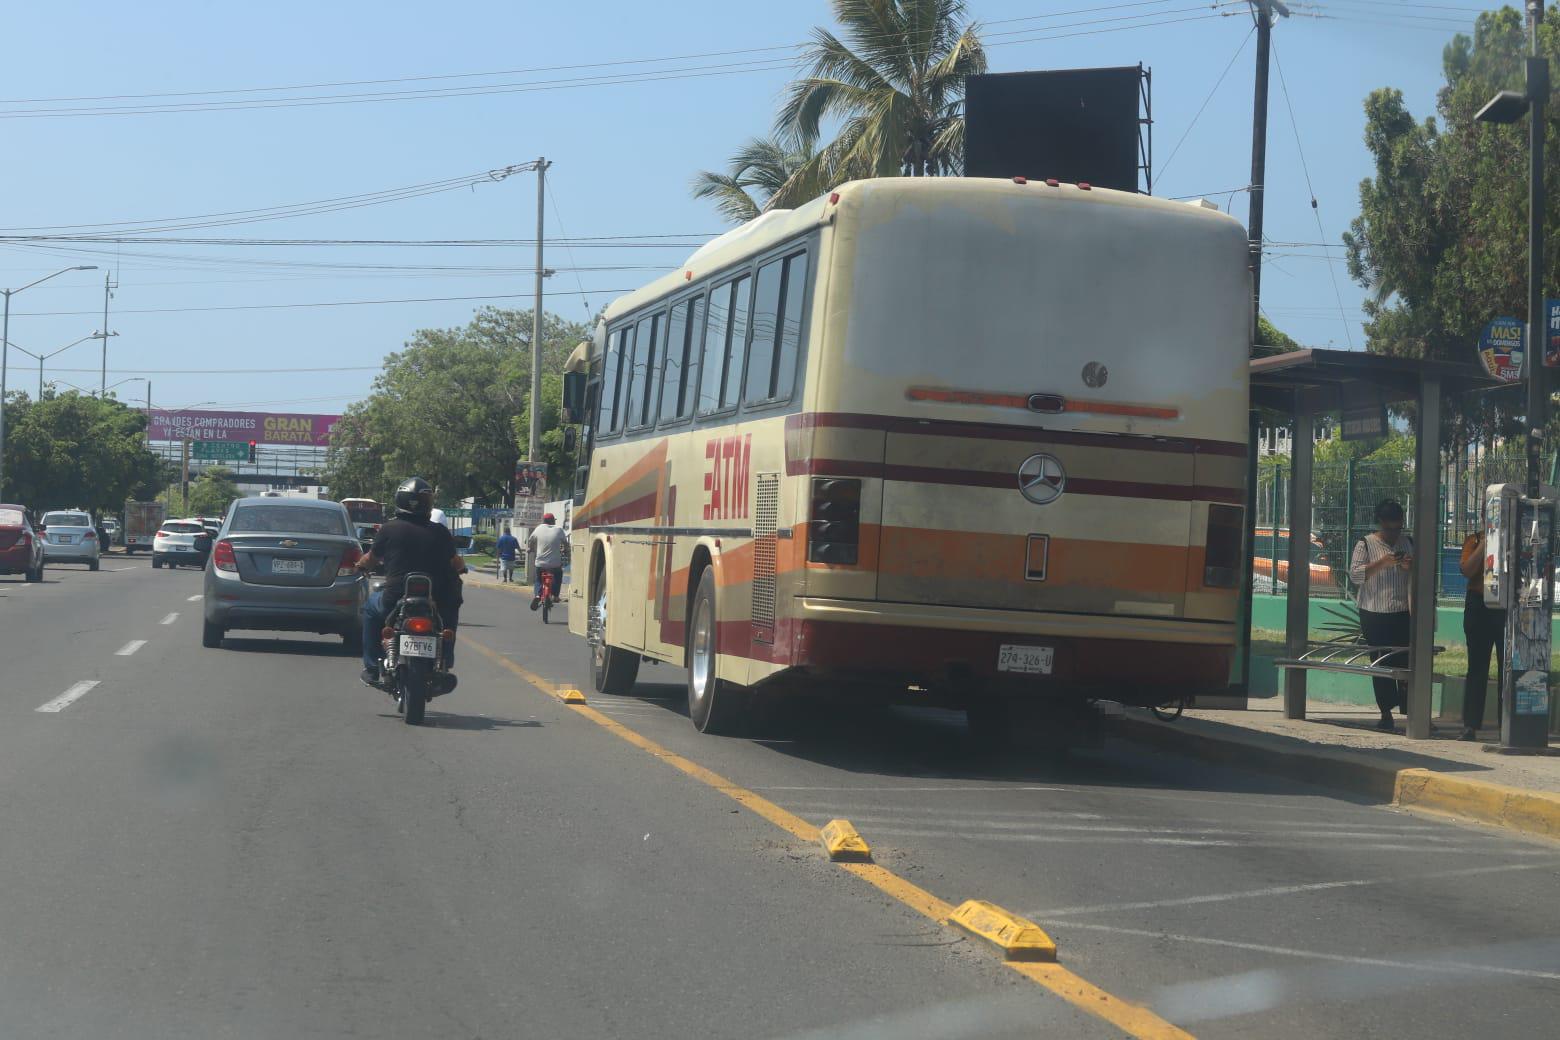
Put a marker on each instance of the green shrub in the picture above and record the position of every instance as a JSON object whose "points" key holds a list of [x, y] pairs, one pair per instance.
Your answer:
{"points": [[484, 544]]}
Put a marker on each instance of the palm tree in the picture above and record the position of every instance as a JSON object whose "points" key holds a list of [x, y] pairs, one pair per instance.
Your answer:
{"points": [[763, 164], [896, 84]]}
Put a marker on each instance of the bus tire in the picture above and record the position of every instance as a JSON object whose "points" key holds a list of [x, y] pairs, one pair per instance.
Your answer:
{"points": [[990, 719], [714, 705]]}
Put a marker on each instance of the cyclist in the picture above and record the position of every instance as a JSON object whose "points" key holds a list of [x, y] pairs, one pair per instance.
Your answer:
{"points": [[507, 548], [549, 547]]}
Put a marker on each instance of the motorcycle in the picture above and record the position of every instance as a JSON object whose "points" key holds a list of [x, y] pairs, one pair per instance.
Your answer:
{"points": [[411, 660]]}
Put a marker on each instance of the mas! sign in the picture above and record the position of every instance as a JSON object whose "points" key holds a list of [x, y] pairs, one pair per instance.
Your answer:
{"points": [[261, 427]]}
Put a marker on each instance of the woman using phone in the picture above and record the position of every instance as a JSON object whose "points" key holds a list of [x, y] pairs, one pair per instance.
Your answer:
{"points": [[1381, 569], [1483, 628]]}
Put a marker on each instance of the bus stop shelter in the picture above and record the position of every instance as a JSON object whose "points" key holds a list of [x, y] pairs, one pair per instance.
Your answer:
{"points": [[1303, 385]]}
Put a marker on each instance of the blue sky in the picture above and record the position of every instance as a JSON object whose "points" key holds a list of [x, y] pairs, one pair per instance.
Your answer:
{"points": [[623, 154]]}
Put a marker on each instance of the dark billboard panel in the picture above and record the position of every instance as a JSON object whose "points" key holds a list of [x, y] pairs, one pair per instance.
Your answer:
{"points": [[1072, 124]]}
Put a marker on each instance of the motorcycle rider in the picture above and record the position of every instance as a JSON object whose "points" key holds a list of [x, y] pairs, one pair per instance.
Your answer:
{"points": [[549, 547], [411, 543]]}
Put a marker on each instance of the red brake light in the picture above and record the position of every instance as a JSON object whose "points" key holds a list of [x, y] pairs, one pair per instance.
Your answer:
{"points": [[349, 558], [420, 626], [222, 557], [834, 534]]}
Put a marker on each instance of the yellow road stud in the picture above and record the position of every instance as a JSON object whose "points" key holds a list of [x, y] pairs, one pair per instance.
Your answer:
{"points": [[1018, 939], [843, 843], [571, 696]]}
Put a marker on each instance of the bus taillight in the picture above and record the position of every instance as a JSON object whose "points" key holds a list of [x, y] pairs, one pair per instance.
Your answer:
{"points": [[1221, 552], [835, 531]]}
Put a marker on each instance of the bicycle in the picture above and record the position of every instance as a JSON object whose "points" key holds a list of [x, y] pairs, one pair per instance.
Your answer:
{"points": [[549, 596]]}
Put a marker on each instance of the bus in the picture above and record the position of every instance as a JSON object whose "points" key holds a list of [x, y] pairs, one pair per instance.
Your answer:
{"points": [[367, 516], [974, 442]]}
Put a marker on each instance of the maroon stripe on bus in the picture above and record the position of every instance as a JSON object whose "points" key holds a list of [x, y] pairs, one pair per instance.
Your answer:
{"points": [[988, 479], [641, 508], [1009, 432]]}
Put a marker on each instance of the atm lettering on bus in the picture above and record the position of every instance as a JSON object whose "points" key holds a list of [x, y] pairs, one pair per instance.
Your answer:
{"points": [[726, 477]]}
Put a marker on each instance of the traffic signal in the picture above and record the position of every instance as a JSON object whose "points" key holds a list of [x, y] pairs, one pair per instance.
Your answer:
{"points": [[251, 451]]}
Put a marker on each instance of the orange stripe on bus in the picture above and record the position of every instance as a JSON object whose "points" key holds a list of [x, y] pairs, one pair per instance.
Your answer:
{"points": [[1000, 400]]}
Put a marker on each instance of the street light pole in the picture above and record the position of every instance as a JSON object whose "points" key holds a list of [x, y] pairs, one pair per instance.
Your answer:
{"points": [[5, 353], [534, 440]]}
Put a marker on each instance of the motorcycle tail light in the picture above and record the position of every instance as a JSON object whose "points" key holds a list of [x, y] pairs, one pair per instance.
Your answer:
{"points": [[387, 633], [419, 626]]}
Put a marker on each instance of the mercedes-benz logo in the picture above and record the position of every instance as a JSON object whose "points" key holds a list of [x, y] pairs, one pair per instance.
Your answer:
{"points": [[1041, 479]]}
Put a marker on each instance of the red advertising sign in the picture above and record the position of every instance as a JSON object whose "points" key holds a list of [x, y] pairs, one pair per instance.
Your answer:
{"points": [[262, 427]]}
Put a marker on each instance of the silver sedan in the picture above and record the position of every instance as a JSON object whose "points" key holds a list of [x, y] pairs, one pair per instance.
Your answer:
{"points": [[70, 537], [284, 565]]}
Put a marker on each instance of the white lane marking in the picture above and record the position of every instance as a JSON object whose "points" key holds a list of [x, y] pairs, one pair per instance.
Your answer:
{"points": [[196, 598], [1437, 965], [63, 701], [970, 790], [170, 619], [130, 648], [116, 570], [1062, 839], [1277, 890], [1276, 823]]}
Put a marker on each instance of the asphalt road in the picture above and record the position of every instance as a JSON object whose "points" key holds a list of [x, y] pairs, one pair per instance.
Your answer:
{"points": [[246, 842]]}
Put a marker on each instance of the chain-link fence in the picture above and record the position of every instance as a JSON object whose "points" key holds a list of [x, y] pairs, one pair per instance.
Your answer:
{"points": [[1345, 494]]}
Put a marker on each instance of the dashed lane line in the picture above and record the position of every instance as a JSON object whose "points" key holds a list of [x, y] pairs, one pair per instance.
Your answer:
{"points": [[170, 619], [130, 648], [1130, 1018], [196, 598], [65, 699]]}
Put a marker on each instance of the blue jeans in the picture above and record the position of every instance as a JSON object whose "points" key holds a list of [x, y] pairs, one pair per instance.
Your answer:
{"points": [[374, 613]]}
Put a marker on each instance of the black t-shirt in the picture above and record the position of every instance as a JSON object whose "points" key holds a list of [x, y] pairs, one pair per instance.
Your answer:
{"points": [[411, 545]]}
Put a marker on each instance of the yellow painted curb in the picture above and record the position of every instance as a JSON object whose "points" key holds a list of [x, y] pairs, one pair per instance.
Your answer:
{"points": [[571, 696], [1017, 938], [1531, 812], [843, 844]]}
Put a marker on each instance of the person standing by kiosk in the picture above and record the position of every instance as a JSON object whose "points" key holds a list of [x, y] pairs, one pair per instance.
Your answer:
{"points": [[1483, 628], [1381, 568]]}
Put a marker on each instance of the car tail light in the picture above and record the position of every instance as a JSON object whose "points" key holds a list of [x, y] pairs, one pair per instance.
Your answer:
{"points": [[222, 557], [834, 535], [162, 534], [90, 534], [349, 559], [420, 626], [25, 541], [1221, 552]]}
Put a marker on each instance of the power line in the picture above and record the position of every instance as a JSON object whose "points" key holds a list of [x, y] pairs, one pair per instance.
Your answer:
{"points": [[222, 371], [1216, 85], [304, 306], [1315, 210]]}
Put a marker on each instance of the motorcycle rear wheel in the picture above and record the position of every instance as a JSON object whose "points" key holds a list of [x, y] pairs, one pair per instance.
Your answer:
{"points": [[414, 695]]}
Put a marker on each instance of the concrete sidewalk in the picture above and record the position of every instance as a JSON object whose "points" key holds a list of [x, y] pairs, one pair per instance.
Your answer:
{"points": [[1337, 746]]}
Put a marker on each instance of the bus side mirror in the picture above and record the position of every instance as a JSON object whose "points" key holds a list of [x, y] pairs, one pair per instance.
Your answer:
{"points": [[574, 397], [571, 440]]}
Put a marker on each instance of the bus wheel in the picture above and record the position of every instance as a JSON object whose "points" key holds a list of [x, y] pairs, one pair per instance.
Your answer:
{"points": [[990, 719], [612, 669], [714, 706]]}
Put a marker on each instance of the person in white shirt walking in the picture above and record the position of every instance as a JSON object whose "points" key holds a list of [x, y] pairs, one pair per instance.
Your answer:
{"points": [[1382, 570]]}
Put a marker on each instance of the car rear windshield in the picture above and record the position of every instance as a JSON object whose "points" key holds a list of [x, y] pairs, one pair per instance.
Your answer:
{"points": [[67, 520], [287, 520], [10, 517], [183, 528]]}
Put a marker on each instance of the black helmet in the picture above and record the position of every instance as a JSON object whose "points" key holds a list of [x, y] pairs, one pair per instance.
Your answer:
{"points": [[414, 497]]}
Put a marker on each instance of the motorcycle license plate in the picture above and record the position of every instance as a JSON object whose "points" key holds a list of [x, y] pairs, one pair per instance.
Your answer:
{"points": [[419, 646]]}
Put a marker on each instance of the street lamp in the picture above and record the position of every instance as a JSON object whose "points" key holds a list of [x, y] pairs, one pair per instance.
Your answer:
{"points": [[1527, 729], [41, 358], [5, 338]]}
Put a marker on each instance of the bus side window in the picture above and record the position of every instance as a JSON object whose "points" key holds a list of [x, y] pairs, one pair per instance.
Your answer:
{"points": [[634, 375], [587, 439], [736, 344], [713, 372], [682, 330], [777, 329], [618, 344], [640, 409]]}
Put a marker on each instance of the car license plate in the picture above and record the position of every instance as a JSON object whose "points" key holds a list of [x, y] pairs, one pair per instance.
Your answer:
{"points": [[183, 548], [62, 539], [1031, 660], [286, 566], [419, 646]]}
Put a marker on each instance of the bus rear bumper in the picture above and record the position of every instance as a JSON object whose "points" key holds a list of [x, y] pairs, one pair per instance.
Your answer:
{"points": [[1130, 659]]}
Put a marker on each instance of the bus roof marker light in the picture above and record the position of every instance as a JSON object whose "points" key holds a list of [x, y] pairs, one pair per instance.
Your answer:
{"points": [[1052, 182], [1085, 186], [1020, 180], [834, 198], [687, 276]]}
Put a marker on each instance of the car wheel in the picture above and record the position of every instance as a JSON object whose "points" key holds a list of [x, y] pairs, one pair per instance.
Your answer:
{"points": [[92, 566], [211, 635], [156, 562]]}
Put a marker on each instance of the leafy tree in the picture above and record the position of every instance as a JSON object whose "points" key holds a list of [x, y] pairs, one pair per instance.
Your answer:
{"points": [[1441, 239], [452, 408], [758, 170], [75, 451], [212, 492], [895, 83], [1270, 340]]}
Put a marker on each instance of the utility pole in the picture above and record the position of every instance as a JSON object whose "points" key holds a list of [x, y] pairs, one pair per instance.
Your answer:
{"points": [[103, 379], [534, 448], [1262, 12], [1538, 381], [185, 481]]}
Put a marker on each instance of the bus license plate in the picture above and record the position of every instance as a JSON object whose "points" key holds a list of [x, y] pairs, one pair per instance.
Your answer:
{"points": [[1031, 660], [419, 646]]}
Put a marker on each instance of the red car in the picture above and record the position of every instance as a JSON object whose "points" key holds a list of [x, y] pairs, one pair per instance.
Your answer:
{"points": [[21, 546]]}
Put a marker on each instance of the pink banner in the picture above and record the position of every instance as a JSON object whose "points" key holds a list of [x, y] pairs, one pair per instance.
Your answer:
{"points": [[260, 427]]}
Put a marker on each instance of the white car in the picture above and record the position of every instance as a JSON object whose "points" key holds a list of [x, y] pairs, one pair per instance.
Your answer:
{"points": [[70, 536], [181, 542]]}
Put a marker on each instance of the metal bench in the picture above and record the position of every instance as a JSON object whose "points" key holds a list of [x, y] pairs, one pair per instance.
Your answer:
{"points": [[1352, 657]]}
